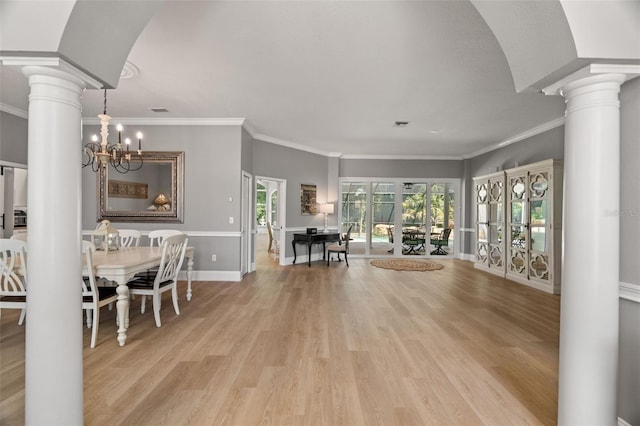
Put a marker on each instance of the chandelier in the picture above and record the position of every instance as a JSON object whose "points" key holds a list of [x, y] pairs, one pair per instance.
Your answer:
{"points": [[118, 155]]}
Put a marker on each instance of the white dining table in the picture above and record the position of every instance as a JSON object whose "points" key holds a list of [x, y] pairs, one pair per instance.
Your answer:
{"points": [[121, 265]]}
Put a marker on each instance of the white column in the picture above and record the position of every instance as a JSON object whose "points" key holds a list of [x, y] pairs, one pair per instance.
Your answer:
{"points": [[589, 305], [53, 370]]}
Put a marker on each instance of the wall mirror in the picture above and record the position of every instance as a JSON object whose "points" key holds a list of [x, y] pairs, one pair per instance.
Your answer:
{"points": [[154, 193]]}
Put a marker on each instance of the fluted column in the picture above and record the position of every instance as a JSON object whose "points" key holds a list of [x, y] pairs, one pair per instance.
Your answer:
{"points": [[589, 305], [53, 360]]}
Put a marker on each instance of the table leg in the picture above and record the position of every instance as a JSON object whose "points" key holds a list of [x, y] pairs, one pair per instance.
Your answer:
{"points": [[122, 306], [309, 253], [189, 271], [293, 244]]}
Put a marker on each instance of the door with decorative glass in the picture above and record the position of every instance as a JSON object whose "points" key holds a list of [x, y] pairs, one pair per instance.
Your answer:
{"points": [[535, 224], [489, 200]]}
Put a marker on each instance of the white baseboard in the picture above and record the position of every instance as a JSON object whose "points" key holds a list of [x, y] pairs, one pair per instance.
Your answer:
{"points": [[212, 276], [630, 291], [621, 422], [467, 256]]}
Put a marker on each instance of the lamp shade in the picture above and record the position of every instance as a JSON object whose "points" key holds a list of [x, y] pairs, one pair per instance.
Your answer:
{"points": [[326, 208]]}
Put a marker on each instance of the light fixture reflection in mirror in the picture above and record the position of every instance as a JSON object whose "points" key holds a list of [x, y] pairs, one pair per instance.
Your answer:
{"points": [[152, 194]]}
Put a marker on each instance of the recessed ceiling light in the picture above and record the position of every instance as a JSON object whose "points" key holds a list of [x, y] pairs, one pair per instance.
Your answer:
{"points": [[159, 109], [401, 123], [435, 131]]}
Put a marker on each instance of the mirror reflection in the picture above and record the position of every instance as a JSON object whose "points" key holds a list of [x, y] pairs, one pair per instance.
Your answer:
{"points": [[151, 194]]}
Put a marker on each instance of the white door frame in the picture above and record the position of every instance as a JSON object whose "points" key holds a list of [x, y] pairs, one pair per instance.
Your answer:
{"points": [[282, 216], [245, 226]]}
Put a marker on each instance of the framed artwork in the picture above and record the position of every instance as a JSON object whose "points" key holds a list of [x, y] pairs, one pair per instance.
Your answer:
{"points": [[122, 189], [308, 200]]}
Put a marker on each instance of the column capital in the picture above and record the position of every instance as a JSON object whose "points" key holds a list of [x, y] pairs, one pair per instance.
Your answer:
{"points": [[52, 66], [591, 74]]}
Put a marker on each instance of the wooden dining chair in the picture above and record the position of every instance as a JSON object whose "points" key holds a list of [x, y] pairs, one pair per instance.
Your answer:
{"points": [[94, 297], [13, 276], [129, 237], [340, 248], [166, 278]]}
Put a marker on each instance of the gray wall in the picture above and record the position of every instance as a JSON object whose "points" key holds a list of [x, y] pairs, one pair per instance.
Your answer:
{"points": [[401, 168], [297, 167], [629, 376], [212, 164], [543, 146], [13, 138]]}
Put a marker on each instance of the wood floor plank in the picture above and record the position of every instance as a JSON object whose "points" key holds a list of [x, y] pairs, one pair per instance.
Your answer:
{"points": [[320, 345]]}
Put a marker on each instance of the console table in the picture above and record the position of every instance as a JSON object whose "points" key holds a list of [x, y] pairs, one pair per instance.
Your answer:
{"points": [[311, 239]]}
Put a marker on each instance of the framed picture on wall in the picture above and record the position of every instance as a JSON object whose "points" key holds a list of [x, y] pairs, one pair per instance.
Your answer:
{"points": [[308, 200]]}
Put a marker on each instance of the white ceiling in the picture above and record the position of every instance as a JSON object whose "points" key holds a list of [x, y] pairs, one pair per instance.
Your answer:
{"points": [[332, 76]]}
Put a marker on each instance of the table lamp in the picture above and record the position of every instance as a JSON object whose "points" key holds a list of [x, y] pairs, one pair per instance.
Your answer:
{"points": [[327, 209]]}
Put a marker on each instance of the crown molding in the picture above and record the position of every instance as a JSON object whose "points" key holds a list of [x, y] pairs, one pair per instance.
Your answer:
{"points": [[14, 111], [167, 121], [401, 157], [276, 141], [519, 137]]}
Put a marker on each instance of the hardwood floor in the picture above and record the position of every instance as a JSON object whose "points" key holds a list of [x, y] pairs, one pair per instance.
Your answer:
{"points": [[327, 346]]}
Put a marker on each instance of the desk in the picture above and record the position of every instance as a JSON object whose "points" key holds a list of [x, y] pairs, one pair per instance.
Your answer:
{"points": [[121, 265], [311, 239]]}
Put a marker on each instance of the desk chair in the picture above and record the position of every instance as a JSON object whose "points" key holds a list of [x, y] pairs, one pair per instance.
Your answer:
{"points": [[441, 241], [340, 248]]}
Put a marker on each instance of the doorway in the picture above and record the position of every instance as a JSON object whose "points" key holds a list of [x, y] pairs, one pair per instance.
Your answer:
{"points": [[269, 235]]}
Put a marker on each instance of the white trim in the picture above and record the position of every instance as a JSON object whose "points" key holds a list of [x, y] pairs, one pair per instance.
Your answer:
{"points": [[630, 291], [467, 256], [168, 121], [519, 137], [53, 62], [276, 141], [622, 422], [211, 276], [235, 234], [401, 157], [14, 165], [629, 70], [14, 111]]}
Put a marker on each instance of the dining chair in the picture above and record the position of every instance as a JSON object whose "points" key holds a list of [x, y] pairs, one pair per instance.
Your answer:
{"points": [[156, 237], [93, 296], [13, 276], [129, 237], [340, 248], [166, 278]]}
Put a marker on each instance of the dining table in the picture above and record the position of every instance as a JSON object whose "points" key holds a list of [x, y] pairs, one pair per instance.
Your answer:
{"points": [[123, 264]]}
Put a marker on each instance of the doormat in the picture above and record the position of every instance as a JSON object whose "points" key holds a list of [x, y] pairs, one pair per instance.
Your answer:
{"points": [[406, 264]]}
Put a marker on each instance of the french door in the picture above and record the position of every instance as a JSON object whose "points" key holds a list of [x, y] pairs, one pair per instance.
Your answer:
{"points": [[393, 217]]}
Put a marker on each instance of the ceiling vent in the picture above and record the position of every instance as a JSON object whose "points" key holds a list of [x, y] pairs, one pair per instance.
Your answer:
{"points": [[159, 109], [401, 123]]}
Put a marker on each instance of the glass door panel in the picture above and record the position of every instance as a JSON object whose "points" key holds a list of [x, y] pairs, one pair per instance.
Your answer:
{"points": [[538, 226], [442, 213], [383, 209], [354, 214], [414, 215]]}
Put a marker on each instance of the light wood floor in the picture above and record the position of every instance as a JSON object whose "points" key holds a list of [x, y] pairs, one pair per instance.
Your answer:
{"points": [[326, 346]]}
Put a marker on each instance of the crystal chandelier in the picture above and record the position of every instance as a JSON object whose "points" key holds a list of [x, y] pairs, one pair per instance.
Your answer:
{"points": [[118, 155]]}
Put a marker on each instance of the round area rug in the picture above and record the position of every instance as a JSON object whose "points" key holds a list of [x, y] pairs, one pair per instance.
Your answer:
{"points": [[407, 264]]}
